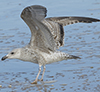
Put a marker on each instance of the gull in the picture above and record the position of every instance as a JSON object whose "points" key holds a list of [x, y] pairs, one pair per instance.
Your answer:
{"points": [[47, 35]]}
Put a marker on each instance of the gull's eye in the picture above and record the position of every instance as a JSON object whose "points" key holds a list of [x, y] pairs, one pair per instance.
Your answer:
{"points": [[12, 52]]}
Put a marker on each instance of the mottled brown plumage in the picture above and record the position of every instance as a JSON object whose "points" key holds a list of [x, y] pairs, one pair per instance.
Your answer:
{"points": [[54, 24]]}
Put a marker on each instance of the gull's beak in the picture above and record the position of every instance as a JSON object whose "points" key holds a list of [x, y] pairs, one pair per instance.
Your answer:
{"points": [[3, 58]]}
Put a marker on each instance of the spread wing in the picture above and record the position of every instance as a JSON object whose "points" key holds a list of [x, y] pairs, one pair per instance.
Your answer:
{"points": [[41, 36], [46, 32], [71, 20], [55, 24]]}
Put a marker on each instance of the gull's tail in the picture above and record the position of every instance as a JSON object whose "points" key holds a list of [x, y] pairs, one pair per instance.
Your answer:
{"points": [[72, 57], [65, 56]]}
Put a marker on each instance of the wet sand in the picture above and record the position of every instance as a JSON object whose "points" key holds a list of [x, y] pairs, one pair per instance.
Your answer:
{"points": [[81, 39]]}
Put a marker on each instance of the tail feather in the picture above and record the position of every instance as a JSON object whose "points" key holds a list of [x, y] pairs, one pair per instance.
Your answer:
{"points": [[73, 57]]}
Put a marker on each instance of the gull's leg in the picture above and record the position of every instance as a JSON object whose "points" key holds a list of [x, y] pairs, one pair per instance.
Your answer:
{"points": [[43, 73], [35, 81]]}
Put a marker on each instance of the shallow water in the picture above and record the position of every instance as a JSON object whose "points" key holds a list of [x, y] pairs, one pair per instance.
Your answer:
{"points": [[81, 39]]}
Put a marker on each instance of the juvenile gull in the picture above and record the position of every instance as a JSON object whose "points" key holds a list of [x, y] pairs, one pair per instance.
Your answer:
{"points": [[47, 34]]}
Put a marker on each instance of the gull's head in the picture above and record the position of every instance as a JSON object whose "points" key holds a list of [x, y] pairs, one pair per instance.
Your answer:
{"points": [[14, 54]]}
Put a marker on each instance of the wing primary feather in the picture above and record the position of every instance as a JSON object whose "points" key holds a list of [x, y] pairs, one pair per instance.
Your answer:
{"points": [[72, 19]]}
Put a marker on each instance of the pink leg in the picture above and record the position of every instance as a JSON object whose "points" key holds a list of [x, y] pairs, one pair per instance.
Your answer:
{"points": [[44, 68], [35, 81]]}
